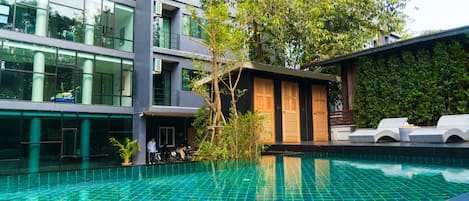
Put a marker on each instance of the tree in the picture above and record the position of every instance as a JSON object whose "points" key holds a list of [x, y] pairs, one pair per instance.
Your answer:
{"points": [[222, 38], [225, 39], [300, 31]]}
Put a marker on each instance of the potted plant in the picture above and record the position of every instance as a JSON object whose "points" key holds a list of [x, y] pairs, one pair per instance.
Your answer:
{"points": [[126, 150]]}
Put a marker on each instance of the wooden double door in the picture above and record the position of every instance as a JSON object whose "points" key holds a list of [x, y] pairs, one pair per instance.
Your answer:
{"points": [[290, 102]]}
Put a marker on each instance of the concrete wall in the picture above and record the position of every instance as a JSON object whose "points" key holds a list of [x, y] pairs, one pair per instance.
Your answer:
{"points": [[142, 73]]}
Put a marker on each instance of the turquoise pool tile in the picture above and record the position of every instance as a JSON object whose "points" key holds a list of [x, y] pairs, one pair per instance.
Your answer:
{"points": [[303, 177]]}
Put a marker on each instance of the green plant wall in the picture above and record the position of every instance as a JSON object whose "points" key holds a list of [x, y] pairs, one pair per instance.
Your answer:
{"points": [[421, 85]]}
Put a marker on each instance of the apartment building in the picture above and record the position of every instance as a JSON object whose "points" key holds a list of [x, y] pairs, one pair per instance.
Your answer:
{"points": [[74, 73]]}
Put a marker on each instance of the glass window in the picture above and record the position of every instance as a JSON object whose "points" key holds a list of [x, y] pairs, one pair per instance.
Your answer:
{"points": [[93, 22], [162, 33], [25, 19], [99, 143], [162, 88], [65, 23], [51, 129], [93, 12], [6, 14], [107, 81], [9, 137], [186, 25], [187, 77], [127, 90], [33, 2], [195, 29], [75, 3], [68, 76], [120, 124], [69, 120], [17, 61], [124, 32], [92, 35], [67, 57], [191, 27], [68, 84], [167, 136], [50, 157], [107, 18], [49, 87], [15, 85]]}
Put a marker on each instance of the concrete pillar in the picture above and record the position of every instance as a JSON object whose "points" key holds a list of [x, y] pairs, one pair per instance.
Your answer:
{"points": [[143, 76], [38, 77], [34, 146], [37, 89], [41, 18], [87, 83], [85, 143]]}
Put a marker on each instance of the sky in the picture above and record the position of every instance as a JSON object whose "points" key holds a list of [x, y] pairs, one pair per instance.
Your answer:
{"points": [[436, 15]]}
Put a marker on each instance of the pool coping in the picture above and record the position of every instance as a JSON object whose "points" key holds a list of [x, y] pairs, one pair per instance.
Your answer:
{"points": [[448, 150]]}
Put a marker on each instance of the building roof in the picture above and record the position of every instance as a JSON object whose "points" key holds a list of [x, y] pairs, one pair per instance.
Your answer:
{"points": [[399, 44], [281, 71]]}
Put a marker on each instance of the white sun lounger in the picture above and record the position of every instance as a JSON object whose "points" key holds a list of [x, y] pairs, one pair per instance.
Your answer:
{"points": [[386, 128], [447, 126]]}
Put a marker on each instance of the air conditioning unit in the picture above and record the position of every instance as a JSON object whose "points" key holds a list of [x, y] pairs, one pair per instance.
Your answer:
{"points": [[157, 66], [157, 9]]}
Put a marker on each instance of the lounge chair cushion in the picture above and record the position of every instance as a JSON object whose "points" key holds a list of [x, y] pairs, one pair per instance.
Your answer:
{"points": [[447, 126], [386, 128]]}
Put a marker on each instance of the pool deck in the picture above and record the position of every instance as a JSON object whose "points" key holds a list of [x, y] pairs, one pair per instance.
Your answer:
{"points": [[452, 150]]}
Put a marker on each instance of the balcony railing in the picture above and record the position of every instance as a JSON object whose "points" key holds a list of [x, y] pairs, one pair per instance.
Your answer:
{"points": [[164, 39]]}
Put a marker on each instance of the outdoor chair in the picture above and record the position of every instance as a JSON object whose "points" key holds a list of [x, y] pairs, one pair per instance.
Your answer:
{"points": [[388, 129], [448, 128]]}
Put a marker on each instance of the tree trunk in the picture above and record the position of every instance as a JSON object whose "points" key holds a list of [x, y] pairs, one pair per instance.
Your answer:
{"points": [[257, 41]]}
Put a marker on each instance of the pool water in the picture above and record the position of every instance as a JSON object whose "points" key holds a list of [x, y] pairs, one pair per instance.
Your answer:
{"points": [[296, 177]]}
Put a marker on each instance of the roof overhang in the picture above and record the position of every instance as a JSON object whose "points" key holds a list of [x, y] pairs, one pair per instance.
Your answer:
{"points": [[171, 111], [278, 70], [290, 72], [399, 44]]}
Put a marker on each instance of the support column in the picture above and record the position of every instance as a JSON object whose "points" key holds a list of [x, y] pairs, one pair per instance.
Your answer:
{"points": [[37, 90], [38, 77], [34, 146], [85, 143], [41, 18], [87, 88], [87, 85]]}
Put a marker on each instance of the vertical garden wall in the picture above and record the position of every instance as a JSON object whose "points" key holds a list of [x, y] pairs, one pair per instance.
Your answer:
{"points": [[421, 84]]}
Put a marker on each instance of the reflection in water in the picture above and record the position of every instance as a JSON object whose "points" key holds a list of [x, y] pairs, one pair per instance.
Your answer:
{"points": [[457, 175], [292, 176], [322, 174], [266, 188], [298, 177]]}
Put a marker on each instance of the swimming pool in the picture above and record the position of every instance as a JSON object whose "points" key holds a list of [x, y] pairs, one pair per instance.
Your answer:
{"points": [[296, 177]]}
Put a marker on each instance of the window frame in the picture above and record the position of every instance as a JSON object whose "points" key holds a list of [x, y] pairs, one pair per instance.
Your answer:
{"points": [[167, 128], [192, 28]]}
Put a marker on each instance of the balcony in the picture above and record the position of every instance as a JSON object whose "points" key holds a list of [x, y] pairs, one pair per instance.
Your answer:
{"points": [[164, 39]]}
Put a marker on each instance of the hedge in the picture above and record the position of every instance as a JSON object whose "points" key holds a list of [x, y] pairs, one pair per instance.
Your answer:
{"points": [[421, 85]]}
